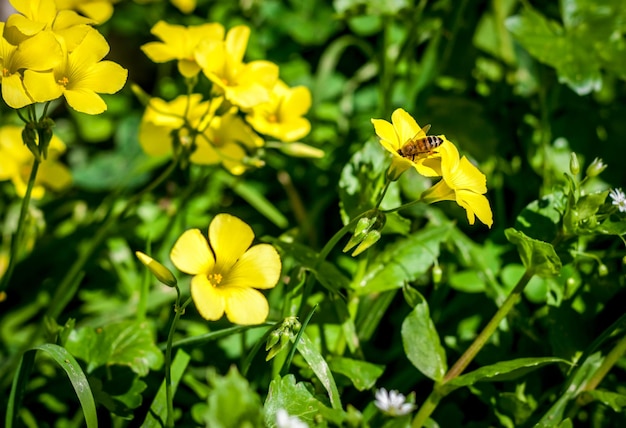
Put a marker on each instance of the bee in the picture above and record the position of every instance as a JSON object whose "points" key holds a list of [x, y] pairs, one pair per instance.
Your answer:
{"points": [[420, 144]]}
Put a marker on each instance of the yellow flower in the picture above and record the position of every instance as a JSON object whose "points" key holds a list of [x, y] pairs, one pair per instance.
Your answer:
{"points": [[228, 271], [281, 117], [41, 15], [16, 163], [38, 54], [80, 77], [225, 141], [98, 10], [396, 134], [162, 117], [461, 182], [180, 43], [244, 85]]}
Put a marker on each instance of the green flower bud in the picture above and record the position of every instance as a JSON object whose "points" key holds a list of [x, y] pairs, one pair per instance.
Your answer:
{"points": [[595, 168], [437, 274], [272, 340], [370, 239], [603, 270], [29, 136], [160, 272], [45, 133], [574, 166]]}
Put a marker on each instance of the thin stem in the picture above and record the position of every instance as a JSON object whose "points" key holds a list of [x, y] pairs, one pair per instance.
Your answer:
{"points": [[382, 194], [178, 311], [433, 399], [17, 238], [608, 363]]}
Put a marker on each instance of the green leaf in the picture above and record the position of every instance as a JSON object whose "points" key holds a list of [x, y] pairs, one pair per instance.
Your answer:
{"points": [[537, 256], [316, 361], [615, 401], [74, 372], [613, 226], [295, 398], [404, 260], [362, 374], [157, 415], [580, 377], [468, 281], [541, 218], [119, 390], [127, 343], [421, 343], [232, 403], [502, 371]]}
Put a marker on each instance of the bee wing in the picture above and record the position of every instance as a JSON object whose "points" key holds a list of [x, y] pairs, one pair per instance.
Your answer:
{"points": [[422, 132]]}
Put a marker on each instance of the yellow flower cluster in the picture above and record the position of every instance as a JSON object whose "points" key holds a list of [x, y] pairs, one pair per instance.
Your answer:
{"points": [[248, 99], [460, 180], [46, 53]]}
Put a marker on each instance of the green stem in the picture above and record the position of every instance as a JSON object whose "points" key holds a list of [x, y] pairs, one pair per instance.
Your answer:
{"points": [[382, 194], [433, 399], [178, 311], [608, 363], [17, 238]]}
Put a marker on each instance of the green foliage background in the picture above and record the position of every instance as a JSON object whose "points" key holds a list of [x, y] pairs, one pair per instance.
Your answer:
{"points": [[517, 85]]}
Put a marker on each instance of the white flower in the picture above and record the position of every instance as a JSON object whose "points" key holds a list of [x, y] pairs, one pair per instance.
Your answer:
{"points": [[392, 403], [283, 420], [619, 199]]}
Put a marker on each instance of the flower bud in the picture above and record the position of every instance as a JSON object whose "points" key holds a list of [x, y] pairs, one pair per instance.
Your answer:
{"points": [[161, 273], [574, 165], [272, 340], [437, 274], [29, 136], [45, 134], [603, 270], [595, 168], [370, 239], [301, 150], [141, 95]]}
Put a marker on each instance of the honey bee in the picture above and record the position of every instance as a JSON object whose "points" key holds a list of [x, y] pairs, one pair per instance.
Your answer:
{"points": [[420, 144]]}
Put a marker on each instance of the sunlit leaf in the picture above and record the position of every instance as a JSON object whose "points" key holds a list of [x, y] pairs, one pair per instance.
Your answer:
{"points": [[537, 256], [422, 344], [362, 374], [316, 361]]}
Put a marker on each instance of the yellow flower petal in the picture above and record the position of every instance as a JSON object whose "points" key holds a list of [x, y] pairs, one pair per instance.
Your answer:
{"points": [[191, 253], [13, 92], [54, 175], [155, 140], [230, 237], [259, 267], [237, 41], [475, 204], [245, 306], [85, 101], [405, 126], [209, 300], [42, 86]]}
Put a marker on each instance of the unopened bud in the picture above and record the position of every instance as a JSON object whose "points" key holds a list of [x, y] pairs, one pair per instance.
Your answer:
{"points": [[161, 273], [370, 239], [272, 339], [301, 150], [437, 274], [603, 270], [45, 135], [595, 168], [29, 137], [141, 95], [574, 165]]}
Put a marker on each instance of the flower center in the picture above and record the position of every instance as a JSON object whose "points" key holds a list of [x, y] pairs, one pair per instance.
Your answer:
{"points": [[272, 118], [5, 72], [63, 81], [215, 279]]}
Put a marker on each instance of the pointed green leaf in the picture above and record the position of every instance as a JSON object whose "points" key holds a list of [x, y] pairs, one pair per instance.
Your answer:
{"points": [[615, 401], [74, 372], [316, 361], [404, 260], [421, 343], [537, 256], [502, 371], [295, 398], [362, 374], [127, 343]]}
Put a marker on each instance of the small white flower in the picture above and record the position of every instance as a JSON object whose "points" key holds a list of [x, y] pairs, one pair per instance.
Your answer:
{"points": [[283, 420], [392, 403], [619, 199]]}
